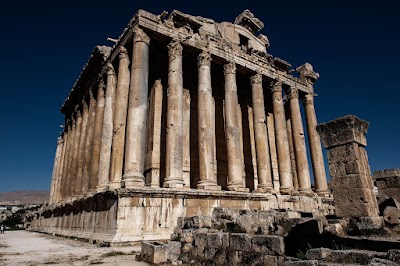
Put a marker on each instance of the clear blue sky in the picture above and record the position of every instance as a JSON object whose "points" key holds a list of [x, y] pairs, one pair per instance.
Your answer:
{"points": [[44, 45]]}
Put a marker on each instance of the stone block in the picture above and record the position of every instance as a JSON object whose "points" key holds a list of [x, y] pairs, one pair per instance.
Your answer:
{"points": [[214, 240], [394, 255], [382, 262], [369, 223], [318, 254], [220, 257], [200, 239], [302, 263], [392, 215], [201, 222], [209, 253], [352, 256], [187, 236], [154, 252], [268, 245], [173, 250], [269, 260], [239, 241], [312, 227]]}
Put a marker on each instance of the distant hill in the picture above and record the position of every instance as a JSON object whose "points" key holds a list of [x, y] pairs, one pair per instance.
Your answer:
{"points": [[25, 197]]}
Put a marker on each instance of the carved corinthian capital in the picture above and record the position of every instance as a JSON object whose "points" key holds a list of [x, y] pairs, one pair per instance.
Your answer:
{"points": [[110, 69], [293, 93], [204, 59], [276, 86], [91, 93], [140, 36], [256, 79], [308, 99], [175, 49], [229, 68], [123, 53], [84, 104], [77, 111]]}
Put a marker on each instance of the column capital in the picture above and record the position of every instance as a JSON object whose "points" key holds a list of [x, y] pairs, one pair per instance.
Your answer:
{"points": [[140, 36], [102, 85], [293, 93], [276, 86], [256, 79], [110, 69], [230, 68], [308, 99], [84, 104], [123, 53], [91, 93], [77, 111], [175, 49], [204, 59]]}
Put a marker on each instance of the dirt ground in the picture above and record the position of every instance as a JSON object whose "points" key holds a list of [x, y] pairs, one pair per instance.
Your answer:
{"points": [[28, 249]]}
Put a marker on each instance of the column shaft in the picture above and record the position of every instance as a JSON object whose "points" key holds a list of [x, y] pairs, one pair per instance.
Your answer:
{"points": [[81, 150], [88, 144], [78, 132], [61, 167], [206, 132], [285, 171], [303, 171], [121, 110], [232, 131], [69, 168], [261, 136], [107, 131], [56, 164], [317, 159], [64, 181], [174, 141], [96, 144], [137, 112]]}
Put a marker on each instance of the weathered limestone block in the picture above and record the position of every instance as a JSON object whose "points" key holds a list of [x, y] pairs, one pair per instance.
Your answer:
{"points": [[154, 252], [240, 241], [268, 244], [318, 253], [388, 183], [392, 215], [348, 165]]}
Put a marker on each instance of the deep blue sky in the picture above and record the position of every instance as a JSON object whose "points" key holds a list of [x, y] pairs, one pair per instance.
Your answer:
{"points": [[44, 45]]}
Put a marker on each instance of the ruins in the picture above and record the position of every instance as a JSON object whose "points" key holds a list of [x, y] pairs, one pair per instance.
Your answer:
{"points": [[181, 115]]}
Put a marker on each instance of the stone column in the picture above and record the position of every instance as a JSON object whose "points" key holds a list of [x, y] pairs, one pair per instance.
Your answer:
{"points": [[61, 167], [309, 76], [291, 147], [107, 133], [174, 141], [348, 166], [69, 167], [261, 136], [303, 172], [272, 149], [206, 134], [74, 169], [232, 131], [97, 133], [56, 165], [137, 112], [88, 143], [81, 150], [121, 110], [65, 173], [282, 144]]}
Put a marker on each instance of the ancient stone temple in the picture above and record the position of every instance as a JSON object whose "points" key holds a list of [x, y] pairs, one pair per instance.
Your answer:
{"points": [[183, 114]]}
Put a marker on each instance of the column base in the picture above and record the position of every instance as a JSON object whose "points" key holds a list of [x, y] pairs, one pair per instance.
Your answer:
{"points": [[102, 189], [173, 184], [306, 192], [237, 188], [263, 189], [133, 180], [208, 185], [286, 190], [323, 193]]}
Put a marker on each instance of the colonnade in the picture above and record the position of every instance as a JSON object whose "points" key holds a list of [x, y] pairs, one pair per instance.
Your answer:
{"points": [[103, 145]]}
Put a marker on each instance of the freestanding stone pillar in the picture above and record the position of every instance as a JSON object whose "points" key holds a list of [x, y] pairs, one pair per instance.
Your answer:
{"points": [[348, 166], [174, 141], [308, 75], [137, 112], [282, 141], [232, 131], [96, 144], [121, 110], [107, 133], [206, 133], [303, 172], [261, 136]]}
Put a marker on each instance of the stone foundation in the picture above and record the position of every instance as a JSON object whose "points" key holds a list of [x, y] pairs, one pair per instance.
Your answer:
{"points": [[131, 215]]}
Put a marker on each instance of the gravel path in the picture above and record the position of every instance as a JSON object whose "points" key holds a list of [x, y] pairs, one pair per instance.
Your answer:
{"points": [[28, 249]]}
